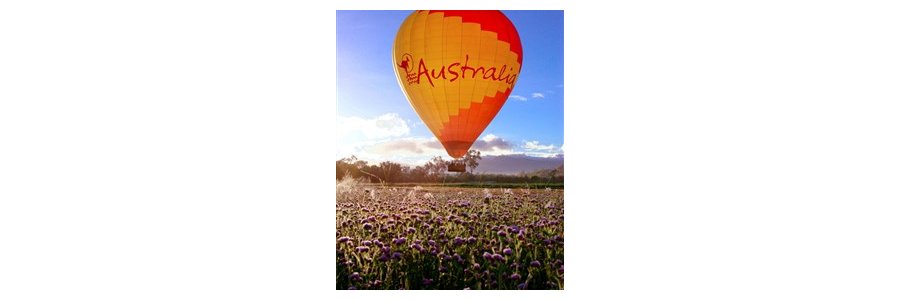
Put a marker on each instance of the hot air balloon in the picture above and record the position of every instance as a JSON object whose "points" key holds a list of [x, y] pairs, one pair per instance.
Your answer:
{"points": [[457, 68]]}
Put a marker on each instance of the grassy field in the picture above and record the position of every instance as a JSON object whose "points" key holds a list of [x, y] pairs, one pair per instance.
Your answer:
{"points": [[489, 185], [432, 237]]}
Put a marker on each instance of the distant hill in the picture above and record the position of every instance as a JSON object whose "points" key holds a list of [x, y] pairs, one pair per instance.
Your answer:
{"points": [[517, 163]]}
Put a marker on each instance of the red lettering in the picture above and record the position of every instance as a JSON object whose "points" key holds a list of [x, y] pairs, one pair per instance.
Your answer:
{"points": [[476, 71], [492, 70], [455, 74], [466, 66], [511, 79], [439, 75], [424, 70], [458, 71], [500, 76]]}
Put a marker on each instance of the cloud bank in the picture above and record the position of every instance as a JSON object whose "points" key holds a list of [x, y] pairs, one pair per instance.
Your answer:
{"points": [[383, 126]]}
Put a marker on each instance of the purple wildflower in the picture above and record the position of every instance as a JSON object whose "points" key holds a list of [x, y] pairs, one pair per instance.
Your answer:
{"points": [[362, 249], [535, 263], [515, 276], [507, 251], [367, 226], [343, 239]]}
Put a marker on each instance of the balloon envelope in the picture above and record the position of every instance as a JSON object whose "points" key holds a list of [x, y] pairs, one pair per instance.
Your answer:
{"points": [[457, 69]]}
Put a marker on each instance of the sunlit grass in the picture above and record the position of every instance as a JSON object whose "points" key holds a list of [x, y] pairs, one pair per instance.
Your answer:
{"points": [[448, 238]]}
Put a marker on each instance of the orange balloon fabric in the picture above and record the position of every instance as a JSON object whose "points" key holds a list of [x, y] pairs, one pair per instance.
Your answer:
{"points": [[457, 68]]}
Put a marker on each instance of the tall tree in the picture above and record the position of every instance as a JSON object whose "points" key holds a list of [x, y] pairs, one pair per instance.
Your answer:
{"points": [[436, 167], [471, 159], [390, 171]]}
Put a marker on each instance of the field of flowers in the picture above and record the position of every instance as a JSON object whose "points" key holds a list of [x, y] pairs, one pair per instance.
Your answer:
{"points": [[448, 238]]}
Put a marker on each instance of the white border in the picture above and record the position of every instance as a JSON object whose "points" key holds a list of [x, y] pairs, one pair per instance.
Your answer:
{"points": [[716, 150]]}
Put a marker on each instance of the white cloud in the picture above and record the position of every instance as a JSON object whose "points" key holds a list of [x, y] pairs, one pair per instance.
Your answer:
{"points": [[535, 148], [414, 149], [491, 144], [405, 150], [406, 146], [517, 97], [418, 150], [537, 95], [535, 145], [542, 154], [383, 126]]}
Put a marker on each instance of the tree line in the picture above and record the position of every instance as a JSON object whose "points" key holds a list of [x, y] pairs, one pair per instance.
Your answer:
{"points": [[435, 170]]}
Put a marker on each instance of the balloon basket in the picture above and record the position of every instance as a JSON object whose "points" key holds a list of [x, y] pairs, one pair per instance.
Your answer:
{"points": [[456, 166]]}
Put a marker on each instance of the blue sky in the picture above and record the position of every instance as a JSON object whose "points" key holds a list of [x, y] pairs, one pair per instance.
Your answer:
{"points": [[376, 122]]}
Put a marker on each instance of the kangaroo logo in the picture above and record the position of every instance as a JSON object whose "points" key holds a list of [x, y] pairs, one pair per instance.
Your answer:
{"points": [[406, 63]]}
